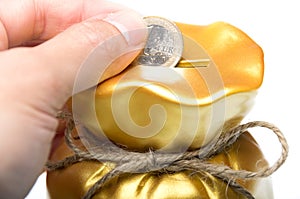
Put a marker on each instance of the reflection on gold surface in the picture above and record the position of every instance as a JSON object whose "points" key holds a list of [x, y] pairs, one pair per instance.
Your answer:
{"points": [[183, 107]]}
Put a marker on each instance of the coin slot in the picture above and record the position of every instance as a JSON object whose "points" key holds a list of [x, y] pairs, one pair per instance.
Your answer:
{"points": [[193, 63]]}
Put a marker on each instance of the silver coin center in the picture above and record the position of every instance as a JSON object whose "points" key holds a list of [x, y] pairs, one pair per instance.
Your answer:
{"points": [[159, 48]]}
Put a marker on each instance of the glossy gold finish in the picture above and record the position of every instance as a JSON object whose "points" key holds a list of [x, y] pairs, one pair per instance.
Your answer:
{"points": [[74, 181], [238, 58], [183, 107], [178, 108]]}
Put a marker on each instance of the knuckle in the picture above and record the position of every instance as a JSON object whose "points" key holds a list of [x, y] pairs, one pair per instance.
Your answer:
{"points": [[95, 33]]}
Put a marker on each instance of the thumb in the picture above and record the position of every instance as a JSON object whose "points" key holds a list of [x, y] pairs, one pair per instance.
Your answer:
{"points": [[92, 51]]}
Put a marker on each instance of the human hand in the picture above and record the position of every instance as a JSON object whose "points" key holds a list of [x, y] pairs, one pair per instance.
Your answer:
{"points": [[36, 81]]}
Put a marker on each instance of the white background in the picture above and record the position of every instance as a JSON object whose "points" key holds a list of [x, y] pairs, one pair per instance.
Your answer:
{"points": [[274, 25]]}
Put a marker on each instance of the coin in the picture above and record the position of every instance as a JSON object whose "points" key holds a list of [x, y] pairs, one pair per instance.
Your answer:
{"points": [[164, 45]]}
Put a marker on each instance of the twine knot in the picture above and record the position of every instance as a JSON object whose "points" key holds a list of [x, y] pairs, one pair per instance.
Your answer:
{"points": [[196, 161]]}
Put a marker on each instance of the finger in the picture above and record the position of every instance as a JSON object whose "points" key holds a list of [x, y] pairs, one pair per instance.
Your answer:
{"points": [[43, 79], [91, 51], [42, 20]]}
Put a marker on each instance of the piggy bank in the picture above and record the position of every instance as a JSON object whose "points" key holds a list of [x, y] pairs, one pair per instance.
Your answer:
{"points": [[173, 109]]}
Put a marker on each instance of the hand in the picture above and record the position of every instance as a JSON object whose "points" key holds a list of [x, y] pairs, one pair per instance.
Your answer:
{"points": [[43, 43]]}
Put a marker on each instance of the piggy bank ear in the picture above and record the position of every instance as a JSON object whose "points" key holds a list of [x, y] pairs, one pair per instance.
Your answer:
{"points": [[183, 107]]}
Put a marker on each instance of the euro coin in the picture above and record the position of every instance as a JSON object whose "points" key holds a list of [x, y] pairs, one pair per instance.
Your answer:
{"points": [[164, 45]]}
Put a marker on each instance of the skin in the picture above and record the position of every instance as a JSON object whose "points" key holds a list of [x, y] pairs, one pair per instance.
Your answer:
{"points": [[42, 46]]}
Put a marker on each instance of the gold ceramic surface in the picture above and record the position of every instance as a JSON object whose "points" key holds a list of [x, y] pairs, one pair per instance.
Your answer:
{"points": [[74, 181], [182, 107]]}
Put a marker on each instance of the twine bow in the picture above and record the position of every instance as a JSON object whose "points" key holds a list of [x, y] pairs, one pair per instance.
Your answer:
{"points": [[196, 161]]}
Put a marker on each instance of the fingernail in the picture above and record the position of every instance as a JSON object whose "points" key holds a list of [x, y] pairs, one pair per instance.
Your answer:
{"points": [[130, 24]]}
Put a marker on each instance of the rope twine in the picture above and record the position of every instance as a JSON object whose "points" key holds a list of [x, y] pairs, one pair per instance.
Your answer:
{"points": [[196, 161]]}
